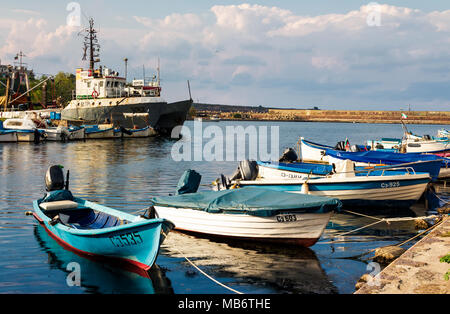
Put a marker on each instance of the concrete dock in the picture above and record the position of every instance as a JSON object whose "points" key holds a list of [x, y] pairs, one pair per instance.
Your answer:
{"points": [[418, 270]]}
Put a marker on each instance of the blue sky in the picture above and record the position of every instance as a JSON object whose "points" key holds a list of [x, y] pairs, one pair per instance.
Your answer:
{"points": [[331, 54]]}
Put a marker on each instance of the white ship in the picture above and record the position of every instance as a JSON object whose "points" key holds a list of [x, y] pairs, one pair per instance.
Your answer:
{"points": [[102, 96]]}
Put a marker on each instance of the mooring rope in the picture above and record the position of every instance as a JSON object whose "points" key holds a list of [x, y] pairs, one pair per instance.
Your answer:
{"points": [[201, 271]]}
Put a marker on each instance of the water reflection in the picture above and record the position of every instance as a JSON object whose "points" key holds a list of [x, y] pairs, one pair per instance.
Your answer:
{"points": [[278, 268], [100, 277]]}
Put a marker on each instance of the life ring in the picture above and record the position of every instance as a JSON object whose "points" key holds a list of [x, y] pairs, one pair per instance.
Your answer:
{"points": [[94, 94]]}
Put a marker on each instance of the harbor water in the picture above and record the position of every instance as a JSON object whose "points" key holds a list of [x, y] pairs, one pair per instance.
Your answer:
{"points": [[126, 174]]}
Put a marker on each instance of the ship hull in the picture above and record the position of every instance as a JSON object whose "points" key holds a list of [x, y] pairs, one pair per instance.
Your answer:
{"points": [[162, 116]]}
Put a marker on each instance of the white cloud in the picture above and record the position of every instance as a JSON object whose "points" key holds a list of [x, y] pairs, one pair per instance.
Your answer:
{"points": [[281, 57]]}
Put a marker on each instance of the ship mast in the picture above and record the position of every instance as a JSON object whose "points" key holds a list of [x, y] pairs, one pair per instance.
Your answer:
{"points": [[91, 43]]}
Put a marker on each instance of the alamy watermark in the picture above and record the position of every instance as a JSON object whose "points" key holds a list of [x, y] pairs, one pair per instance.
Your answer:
{"points": [[73, 279], [374, 14], [74, 17], [231, 143]]}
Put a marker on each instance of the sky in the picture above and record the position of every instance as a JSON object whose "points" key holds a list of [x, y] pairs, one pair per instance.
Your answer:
{"points": [[349, 54]]}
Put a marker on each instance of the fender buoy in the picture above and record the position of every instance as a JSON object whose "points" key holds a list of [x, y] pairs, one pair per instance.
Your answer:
{"points": [[94, 94]]}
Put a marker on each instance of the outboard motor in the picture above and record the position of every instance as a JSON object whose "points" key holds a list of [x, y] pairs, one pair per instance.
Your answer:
{"points": [[189, 182], [54, 179], [223, 183], [289, 155], [37, 136], [124, 130], [354, 148], [248, 170], [427, 137], [340, 146]]}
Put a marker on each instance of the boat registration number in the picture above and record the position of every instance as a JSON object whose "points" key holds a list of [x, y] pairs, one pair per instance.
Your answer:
{"points": [[126, 239], [394, 184], [286, 218]]}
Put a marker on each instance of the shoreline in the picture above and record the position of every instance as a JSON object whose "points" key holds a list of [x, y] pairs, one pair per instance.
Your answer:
{"points": [[240, 113], [329, 121], [418, 270]]}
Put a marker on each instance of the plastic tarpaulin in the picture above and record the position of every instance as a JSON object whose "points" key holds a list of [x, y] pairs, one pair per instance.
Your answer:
{"points": [[383, 157], [317, 169], [250, 200]]}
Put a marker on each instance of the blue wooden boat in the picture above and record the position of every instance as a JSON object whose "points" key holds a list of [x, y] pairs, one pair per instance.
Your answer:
{"points": [[99, 232], [100, 131]]}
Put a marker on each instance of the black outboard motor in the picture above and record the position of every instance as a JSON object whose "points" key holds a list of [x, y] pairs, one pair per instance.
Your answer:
{"points": [[248, 170], [340, 146], [427, 137], [289, 155], [37, 136], [123, 130], [54, 179]]}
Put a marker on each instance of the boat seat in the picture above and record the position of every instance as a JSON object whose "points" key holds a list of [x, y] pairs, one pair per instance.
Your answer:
{"points": [[57, 206]]}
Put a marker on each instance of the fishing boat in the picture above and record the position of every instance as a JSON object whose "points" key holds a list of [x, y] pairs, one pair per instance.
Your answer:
{"points": [[435, 165], [134, 133], [432, 164], [99, 131], [101, 93], [59, 133], [97, 231], [25, 128], [443, 133], [76, 133], [250, 214], [393, 187]]}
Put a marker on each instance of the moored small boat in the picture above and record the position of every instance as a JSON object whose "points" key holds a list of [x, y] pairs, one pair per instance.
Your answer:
{"points": [[127, 133], [100, 131], [250, 214], [26, 129], [76, 133], [59, 133], [377, 188], [435, 165], [97, 231]]}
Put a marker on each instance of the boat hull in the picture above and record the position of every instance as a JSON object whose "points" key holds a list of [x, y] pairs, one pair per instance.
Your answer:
{"points": [[162, 116], [101, 134], [77, 134], [395, 192], [8, 137], [298, 229], [25, 136]]}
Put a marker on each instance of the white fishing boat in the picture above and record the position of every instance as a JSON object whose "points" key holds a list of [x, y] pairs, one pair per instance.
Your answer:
{"points": [[59, 133], [25, 128], [100, 131], [250, 214], [443, 133], [426, 145], [370, 188]]}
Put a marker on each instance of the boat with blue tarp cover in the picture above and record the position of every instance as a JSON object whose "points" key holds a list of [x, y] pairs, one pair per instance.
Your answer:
{"points": [[250, 213], [96, 231], [438, 167]]}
